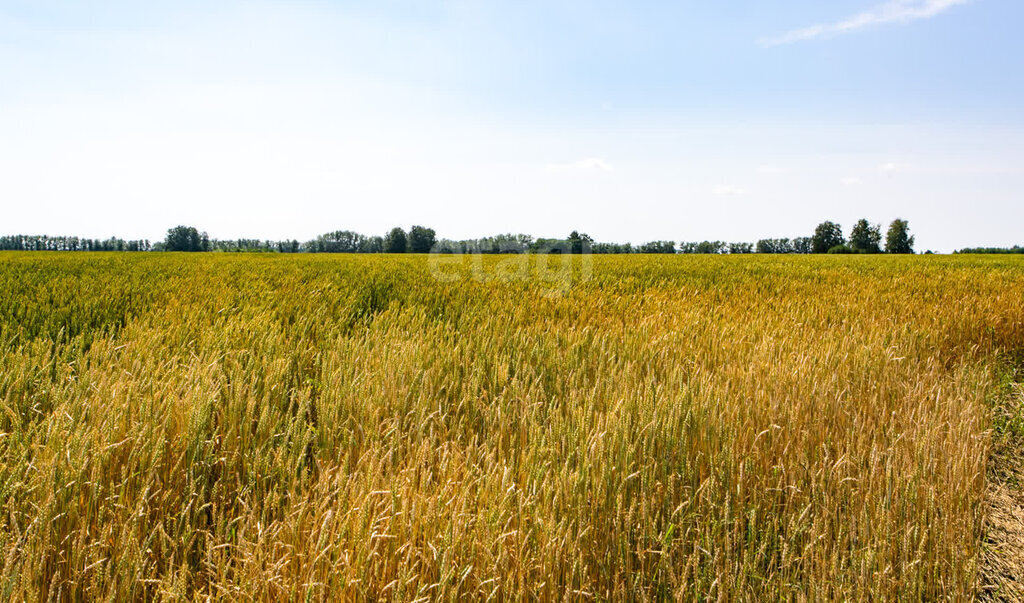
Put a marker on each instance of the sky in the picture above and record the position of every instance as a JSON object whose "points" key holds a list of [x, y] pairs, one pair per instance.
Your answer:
{"points": [[631, 121]]}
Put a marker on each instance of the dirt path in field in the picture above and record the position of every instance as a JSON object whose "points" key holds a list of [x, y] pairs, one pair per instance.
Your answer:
{"points": [[1002, 571]]}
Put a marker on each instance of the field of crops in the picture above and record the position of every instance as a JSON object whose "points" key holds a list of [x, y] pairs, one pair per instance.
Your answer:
{"points": [[399, 427]]}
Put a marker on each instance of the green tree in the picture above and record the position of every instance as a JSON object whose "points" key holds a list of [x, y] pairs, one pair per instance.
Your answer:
{"points": [[712, 247], [658, 247], [826, 236], [1016, 249], [802, 245], [339, 241], [421, 239], [774, 246], [898, 239], [374, 244], [866, 237], [580, 243], [395, 241], [186, 238]]}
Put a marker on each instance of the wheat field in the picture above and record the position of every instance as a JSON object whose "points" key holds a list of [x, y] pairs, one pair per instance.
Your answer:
{"points": [[268, 427]]}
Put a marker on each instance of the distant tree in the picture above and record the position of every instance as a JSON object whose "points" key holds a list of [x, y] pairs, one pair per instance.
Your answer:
{"points": [[1016, 249], [180, 238], [802, 245], [395, 241], [482, 245], [614, 248], [63, 243], [579, 243], [705, 247], [735, 248], [711, 247], [339, 241], [841, 249], [866, 237], [774, 246], [447, 246], [502, 243], [513, 243], [421, 239], [372, 245], [826, 236], [898, 239], [658, 247], [556, 246]]}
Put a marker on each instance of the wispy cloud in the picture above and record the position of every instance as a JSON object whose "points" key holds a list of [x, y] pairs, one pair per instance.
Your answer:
{"points": [[894, 11], [851, 181], [589, 164]]}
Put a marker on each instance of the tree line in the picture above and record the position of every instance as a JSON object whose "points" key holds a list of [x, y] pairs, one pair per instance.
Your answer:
{"points": [[828, 237], [997, 250], [48, 243]]}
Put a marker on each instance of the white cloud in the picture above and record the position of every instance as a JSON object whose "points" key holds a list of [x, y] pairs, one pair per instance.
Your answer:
{"points": [[851, 181], [588, 164], [888, 168], [894, 11], [728, 190]]}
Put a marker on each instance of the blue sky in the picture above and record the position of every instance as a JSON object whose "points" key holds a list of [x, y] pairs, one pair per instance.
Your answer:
{"points": [[628, 120]]}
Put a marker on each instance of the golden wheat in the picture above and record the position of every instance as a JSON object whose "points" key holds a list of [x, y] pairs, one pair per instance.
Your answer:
{"points": [[355, 428]]}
